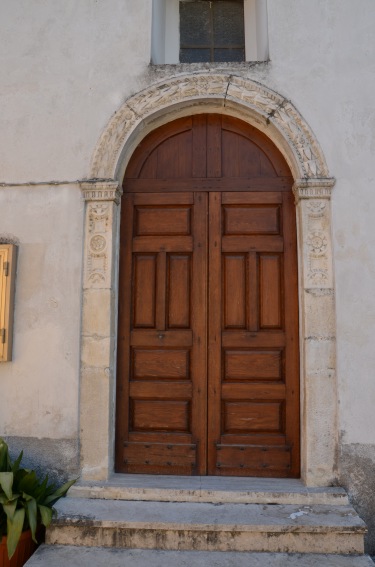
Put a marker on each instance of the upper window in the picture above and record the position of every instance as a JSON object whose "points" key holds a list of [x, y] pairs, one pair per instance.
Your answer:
{"points": [[194, 31], [211, 31]]}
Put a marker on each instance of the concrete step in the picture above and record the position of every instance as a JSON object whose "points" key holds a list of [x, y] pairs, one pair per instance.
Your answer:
{"points": [[70, 556], [209, 489], [207, 527]]}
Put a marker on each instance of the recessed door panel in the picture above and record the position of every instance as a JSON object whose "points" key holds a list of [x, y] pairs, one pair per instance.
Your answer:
{"points": [[168, 364], [179, 291], [144, 286], [254, 365]]}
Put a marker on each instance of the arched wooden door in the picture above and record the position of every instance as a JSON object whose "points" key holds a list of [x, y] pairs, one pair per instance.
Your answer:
{"points": [[208, 364]]}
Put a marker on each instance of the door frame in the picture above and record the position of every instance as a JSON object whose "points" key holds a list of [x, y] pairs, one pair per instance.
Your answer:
{"points": [[280, 121]]}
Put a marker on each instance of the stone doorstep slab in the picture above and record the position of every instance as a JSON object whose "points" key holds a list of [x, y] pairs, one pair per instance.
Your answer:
{"points": [[207, 527], [70, 556], [209, 489]]}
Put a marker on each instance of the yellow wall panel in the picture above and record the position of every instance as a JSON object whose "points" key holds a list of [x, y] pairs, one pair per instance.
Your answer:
{"points": [[8, 253]]}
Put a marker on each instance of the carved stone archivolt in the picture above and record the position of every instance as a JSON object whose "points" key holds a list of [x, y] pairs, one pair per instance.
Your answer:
{"points": [[252, 97]]}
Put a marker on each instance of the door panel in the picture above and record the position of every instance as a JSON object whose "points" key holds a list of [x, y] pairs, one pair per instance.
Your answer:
{"points": [[162, 412], [208, 315], [249, 342]]}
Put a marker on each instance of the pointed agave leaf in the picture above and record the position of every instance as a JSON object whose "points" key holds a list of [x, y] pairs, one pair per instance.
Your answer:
{"points": [[32, 515], [4, 456], [5, 500], [40, 493], [59, 492], [28, 482], [6, 483], [18, 476], [17, 462], [10, 508], [45, 514], [14, 531]]}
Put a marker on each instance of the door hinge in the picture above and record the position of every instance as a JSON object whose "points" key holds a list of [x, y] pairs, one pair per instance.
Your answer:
{"points": [[6, 268], [2, 336]]}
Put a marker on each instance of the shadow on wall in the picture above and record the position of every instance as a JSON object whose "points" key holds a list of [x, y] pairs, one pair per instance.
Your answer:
{"points": [[59, 456], [357, 476]]}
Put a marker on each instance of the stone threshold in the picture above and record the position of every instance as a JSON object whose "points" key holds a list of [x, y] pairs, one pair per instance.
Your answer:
{"points": [[209, 489]]}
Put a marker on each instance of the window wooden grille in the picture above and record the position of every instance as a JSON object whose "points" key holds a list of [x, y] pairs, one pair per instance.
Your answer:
{"points": [[7, 284], [212, 31]]}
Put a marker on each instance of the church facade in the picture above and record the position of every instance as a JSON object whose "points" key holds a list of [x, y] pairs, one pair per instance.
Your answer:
{"points": [[186, 237]]}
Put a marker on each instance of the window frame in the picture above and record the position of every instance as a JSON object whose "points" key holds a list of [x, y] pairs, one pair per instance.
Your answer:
{"points": [[165, 46]]}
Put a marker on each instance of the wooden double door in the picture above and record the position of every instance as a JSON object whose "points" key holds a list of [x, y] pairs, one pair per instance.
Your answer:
{"points": [[208, 314]]}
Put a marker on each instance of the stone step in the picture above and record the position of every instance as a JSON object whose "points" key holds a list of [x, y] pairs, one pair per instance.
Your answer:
{"points": [[209, 489], [71, 556], [207, 527]]}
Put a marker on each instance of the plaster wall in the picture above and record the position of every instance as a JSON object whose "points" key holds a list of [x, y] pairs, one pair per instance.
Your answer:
{"points": [[328, 63], [39, 387], [67, 67]]}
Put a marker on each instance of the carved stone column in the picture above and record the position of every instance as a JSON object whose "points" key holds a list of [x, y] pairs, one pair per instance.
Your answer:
{"points": [[97, 393], [318, 341]]}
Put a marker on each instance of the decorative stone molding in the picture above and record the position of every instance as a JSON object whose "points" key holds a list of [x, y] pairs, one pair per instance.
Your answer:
{"points": [[286, 118], [266, 104], [100, 198], [313, 197], [313, 200], [101, 191], [313, 188]]}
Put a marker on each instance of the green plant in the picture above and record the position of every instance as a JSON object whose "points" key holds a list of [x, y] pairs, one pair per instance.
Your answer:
{"points": [[25, 501]]}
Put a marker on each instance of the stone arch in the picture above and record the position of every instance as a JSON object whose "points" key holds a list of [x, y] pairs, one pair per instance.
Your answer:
{"points": [[281, 122], [270, 112]]}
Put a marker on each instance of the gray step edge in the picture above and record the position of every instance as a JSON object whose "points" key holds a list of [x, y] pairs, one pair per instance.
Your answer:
{"points": [[202, 516], [65, 556]]}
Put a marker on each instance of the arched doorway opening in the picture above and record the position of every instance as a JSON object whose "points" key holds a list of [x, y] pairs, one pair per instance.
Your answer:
{"points": [[282, 123], [208, 362]]}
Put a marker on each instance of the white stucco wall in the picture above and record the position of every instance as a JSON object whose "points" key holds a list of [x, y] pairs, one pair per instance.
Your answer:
{"points": [[39, 387], [323, 58], [67, 67]]}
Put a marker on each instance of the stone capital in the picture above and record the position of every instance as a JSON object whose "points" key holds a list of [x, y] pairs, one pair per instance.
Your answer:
{"points": [[313, 188], [108, 190]]}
